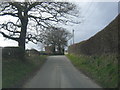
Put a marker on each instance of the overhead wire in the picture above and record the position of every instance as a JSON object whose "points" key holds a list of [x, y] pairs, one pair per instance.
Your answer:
{"points": [[87, 13]]}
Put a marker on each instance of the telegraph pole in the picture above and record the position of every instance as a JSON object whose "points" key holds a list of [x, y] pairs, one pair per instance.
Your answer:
{"points": [[73, 36]]}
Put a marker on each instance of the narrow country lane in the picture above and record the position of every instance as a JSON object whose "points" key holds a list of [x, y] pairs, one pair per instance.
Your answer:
{"points": [[58, 72]]}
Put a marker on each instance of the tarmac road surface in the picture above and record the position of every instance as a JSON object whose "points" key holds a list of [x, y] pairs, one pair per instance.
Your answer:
{"points": [[58, 72]]}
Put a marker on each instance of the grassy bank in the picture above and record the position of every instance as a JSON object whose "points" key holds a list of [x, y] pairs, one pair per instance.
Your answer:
{"points": [[13, 71], [103, 69]]}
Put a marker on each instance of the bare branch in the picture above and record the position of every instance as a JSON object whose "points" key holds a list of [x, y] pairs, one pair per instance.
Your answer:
{"points": [[12, 14], [34, 18], [9, 37]]}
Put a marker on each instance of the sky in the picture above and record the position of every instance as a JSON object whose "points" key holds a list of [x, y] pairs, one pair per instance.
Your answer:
{"points": [[94, 16]]}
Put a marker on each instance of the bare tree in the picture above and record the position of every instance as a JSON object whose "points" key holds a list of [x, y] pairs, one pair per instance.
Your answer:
{"points": [[57, 38], [31, 18]]}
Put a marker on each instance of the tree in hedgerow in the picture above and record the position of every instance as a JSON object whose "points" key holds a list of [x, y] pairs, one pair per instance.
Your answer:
{"points": [[56, 37]]}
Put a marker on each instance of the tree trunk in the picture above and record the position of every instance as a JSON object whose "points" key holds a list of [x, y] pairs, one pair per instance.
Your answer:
{"points": [[22, 37], [21, 43], [63, 51], [59, 49], [53, 49]]}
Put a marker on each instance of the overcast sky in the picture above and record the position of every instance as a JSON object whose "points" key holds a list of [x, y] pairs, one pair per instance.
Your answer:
{"points": [[95, 16]]}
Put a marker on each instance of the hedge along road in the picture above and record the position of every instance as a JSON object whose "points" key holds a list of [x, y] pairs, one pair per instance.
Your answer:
{"points": [[58, 72]]}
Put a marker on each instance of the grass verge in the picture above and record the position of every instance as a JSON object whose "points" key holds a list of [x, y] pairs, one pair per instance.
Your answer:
{"points": [[103, 69], [13, 71]]}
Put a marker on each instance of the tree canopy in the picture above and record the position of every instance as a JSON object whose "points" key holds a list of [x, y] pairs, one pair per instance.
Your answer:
{"points": [[33, 17], [56, 37]]}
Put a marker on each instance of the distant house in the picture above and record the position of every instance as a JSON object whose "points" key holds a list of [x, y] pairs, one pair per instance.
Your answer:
{"points": [[49, 49], [52, 50], [66, 52], [32, 52]]}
